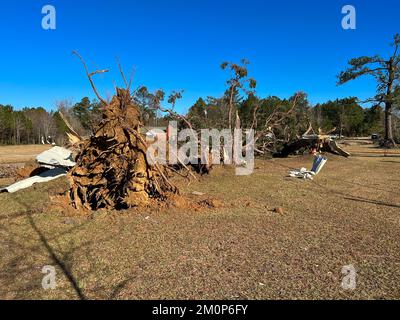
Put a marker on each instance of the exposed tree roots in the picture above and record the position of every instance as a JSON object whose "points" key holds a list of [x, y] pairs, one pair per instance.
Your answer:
{"points": [[112, 169]]}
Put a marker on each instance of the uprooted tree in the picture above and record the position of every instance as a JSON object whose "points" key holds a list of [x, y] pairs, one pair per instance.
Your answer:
{"points": [[112, 169]]}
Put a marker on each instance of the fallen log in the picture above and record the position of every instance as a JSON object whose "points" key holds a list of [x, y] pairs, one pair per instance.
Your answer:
{"points": [[293, 147], [312, 142], [333, 146]]}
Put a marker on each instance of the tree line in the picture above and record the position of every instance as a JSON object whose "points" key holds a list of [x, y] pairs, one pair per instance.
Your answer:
{"points": [[273, 118], [39, 126], [346, 115], [36, 125]]}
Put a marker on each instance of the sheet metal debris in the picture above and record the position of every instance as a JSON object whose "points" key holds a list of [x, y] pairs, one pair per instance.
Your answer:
{"points": [[56, 157], [303, 173], [43, 177], [58, 160]]}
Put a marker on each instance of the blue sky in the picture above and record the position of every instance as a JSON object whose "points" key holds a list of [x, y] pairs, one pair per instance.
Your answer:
{"points": [[177, 44]]}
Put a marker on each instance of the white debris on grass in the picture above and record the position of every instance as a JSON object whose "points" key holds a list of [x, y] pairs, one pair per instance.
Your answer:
{"points": [[58, 160], [56, 157], [40, 178], [303, 173]]}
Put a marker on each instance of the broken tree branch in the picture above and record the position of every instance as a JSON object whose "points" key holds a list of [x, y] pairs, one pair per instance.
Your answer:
{"points": [[90, 75]]}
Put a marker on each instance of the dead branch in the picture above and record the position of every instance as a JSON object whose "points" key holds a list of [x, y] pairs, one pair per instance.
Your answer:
{"points": [[175, 115], [69, 126], [310, 129], [121, 71], [90, 76], [274, 120], [254, 123]]}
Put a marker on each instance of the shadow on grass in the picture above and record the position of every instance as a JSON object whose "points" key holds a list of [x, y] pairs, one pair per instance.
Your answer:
{"points": [[355, 198], [18, 267], [60, 263], [348, 196], [372, 187], [379, 203], [17, 245], [361, 155], [18, 264]]}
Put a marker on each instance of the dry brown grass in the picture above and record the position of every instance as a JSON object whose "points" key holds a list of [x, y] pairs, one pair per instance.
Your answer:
{"points": [[20, 154], [370, 150], [349, 215]]}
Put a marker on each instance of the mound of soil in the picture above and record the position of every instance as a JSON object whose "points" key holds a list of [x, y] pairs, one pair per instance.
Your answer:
{"points": [[29, 171]]}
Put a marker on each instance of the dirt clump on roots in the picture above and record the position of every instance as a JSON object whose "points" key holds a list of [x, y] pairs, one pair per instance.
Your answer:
{"points": [[112, 170]]}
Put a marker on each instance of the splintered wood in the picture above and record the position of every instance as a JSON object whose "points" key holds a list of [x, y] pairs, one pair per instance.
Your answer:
{"points": [[112, 169]]}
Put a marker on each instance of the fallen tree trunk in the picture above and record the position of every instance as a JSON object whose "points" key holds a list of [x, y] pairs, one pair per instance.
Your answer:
{"points": [[316, 142], [334, 148], [293, 147], [112, 169]]}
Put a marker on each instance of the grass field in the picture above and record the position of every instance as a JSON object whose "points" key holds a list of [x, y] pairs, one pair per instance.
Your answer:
{"points": [[349, 215], [20, 154]]}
